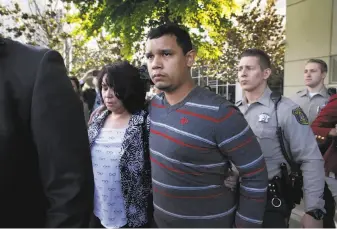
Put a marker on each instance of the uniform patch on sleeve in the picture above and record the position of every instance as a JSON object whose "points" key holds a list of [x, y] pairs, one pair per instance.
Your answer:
{"points": [[300, 116]]}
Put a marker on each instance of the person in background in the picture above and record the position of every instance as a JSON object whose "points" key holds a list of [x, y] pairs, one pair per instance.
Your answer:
{"points": [[194, 135], [76, 86], [98, 99], [315, 96], [89, 97], [312, 100], [92, 75], [46, 177], [118, 136]]}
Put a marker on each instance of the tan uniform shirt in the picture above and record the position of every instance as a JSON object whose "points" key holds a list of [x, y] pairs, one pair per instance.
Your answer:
{"points": [[311, 106], [299, 140]]}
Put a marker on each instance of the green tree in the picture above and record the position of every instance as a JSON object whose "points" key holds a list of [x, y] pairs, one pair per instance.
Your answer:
{"points": [[49, 26], [41, 26], [107, 50], [130, 20], [252, 28]]}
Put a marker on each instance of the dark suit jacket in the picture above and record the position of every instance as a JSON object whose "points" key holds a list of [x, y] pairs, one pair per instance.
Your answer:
{"points": [[46, 175], [325, 121]]}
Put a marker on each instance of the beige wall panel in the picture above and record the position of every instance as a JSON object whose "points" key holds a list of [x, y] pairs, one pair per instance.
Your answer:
{"points": [[290, 91], [290, 2], [308, 29], [334, 30], [293, 73]]}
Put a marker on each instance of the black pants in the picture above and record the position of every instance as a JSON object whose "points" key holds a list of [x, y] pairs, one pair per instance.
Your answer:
{"points": [[330, 205], [96, 223], [276, 217]]}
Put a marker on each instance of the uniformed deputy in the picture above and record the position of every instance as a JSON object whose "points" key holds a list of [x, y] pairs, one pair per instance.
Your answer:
{"points": [[315, 96], [259, 110], [312, 100]]}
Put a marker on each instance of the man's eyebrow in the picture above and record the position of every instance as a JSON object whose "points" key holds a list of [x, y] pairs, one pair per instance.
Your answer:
{"points": [[165, 50], [161, 51]]}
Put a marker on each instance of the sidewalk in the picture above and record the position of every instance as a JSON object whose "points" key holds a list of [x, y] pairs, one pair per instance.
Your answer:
{"points": [[297, 214]]}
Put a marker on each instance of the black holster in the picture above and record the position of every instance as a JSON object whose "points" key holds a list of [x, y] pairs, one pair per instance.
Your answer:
{"points": [[293, 184], [277, 211]]}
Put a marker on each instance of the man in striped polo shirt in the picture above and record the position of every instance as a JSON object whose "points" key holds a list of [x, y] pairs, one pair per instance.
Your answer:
{"points": [[195, 134]]}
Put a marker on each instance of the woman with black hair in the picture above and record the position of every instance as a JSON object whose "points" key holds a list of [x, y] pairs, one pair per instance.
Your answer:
{"points": [[118, 136]]}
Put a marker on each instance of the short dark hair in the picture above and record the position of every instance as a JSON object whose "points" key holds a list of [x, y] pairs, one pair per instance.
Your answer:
{"points": [[183, 38], [75, 80], [264, 59], [126, 83], [89, 96], [323, 65]]}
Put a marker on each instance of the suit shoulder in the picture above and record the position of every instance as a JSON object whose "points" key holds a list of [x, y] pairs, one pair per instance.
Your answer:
{"points": [[22, 56], [15, 46]]}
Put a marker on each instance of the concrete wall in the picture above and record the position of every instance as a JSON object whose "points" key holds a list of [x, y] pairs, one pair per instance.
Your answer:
{"points": [[311, 32]]}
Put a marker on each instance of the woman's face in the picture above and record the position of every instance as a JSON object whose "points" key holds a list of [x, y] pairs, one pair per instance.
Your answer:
{"points": [[112, 103]]}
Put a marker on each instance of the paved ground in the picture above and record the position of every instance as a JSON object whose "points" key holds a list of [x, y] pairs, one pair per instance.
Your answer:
{"points": [[296, 218], [297, 214]]}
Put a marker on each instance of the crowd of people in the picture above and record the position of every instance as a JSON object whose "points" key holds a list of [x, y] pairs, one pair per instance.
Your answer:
{"points": [[115, 157]]}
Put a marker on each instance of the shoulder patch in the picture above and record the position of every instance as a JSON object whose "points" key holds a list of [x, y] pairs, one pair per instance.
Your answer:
{"points": [[300, 116]]}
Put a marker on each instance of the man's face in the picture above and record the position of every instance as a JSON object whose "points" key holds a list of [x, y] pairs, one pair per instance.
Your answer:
{"points": [[250, 73], [313, 75], [168, 67]]}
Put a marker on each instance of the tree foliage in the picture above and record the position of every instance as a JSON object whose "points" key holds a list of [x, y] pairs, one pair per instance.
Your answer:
{"points": [[130, 20], [255, 27], [42, 26], [85, 58], [49, 26]]}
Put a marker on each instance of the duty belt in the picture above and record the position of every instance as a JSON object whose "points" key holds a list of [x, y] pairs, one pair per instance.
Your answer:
{"points": [[274, 192]]}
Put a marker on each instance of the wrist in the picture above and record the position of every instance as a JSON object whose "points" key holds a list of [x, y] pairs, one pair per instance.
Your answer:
{"points": [[317, 214]]}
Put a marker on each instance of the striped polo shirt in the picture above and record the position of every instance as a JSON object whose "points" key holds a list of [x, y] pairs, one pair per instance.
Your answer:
{"points": [[191, 146]]}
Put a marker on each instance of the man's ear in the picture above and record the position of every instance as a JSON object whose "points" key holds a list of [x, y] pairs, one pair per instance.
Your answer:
{"points": [[324, 75], [190, 58], [266, 73]]}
